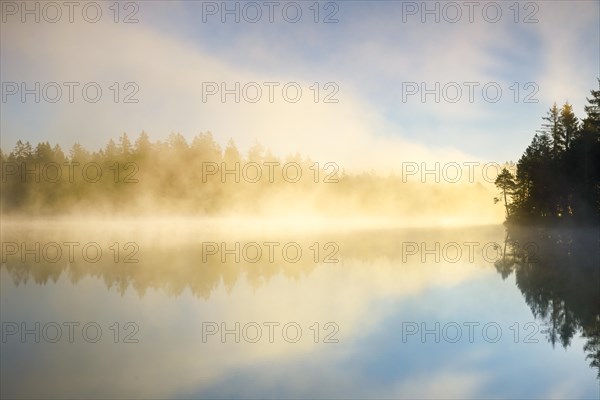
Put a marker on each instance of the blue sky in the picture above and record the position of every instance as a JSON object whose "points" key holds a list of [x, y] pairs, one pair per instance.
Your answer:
{"points": [[371, 54]]}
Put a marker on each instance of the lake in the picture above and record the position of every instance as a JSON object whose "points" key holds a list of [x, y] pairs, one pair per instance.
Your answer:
{"points": [[219, 309]]}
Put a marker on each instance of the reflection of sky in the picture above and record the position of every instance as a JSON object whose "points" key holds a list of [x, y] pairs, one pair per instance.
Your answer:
{"points": [[369, 53], [380, 365], [368, 300]]}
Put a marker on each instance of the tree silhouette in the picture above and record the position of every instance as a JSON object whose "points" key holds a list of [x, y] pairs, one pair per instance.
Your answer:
{"points": [[569, 123], [506, 183], [125, 147], [558, 175], [554, 129]]}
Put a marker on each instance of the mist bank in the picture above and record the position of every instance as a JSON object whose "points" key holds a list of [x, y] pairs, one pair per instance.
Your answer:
{"points": [[177, 178]]}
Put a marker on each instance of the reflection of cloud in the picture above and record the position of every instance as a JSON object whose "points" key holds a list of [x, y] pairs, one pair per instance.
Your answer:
{"points": [[565, 389], [171, 356], [439, 384]]}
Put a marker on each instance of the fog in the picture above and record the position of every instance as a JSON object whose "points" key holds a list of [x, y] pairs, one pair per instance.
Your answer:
{"points": [[198, 179]]}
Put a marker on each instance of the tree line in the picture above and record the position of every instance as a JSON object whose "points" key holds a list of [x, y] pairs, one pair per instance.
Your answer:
{"points": [[558, 175], [199, 177]]}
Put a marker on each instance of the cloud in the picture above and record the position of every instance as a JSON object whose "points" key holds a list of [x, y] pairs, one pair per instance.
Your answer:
{"points": [[170, 73], [368, 54], [570, 61]]}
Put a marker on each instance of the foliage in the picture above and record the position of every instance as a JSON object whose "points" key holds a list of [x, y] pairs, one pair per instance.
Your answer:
{"points": [[558, 175]]}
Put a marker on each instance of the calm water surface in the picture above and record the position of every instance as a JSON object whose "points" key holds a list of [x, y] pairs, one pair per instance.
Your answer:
{"points": [[207, 310]]}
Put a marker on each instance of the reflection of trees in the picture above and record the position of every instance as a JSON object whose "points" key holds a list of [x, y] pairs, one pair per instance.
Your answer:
{"points": [[171, 269], [175, 264], [558, 273]]}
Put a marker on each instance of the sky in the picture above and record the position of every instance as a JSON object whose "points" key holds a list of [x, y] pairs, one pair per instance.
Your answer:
{"points": [[380, 81]]}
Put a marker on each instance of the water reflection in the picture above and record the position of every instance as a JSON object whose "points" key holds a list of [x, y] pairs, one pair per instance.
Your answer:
{"points": [[375, 281], [558, 272], [201, 257]]}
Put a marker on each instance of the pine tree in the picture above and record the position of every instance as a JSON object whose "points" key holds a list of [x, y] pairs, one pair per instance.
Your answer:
{"points": [[142, 145], [553, 128], [592, 122], [43, 152], [178, 143], [78, 153], [125, 148], [506, 183], [256, 152], [569, 122], [111, 151], [205, 148], [232, 154], [22, 151]]}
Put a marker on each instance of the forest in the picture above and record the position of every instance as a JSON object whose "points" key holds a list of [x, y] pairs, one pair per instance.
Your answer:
{"points": [[558, 176], [556, 180], [176, 176]]}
